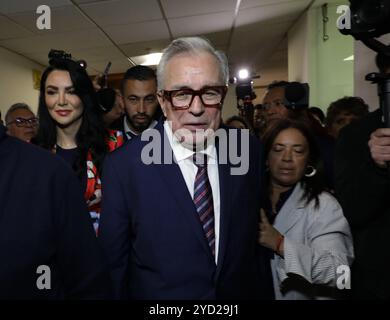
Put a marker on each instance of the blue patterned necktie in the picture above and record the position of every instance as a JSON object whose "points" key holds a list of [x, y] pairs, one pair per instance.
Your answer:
{"points": [[203, 200]]}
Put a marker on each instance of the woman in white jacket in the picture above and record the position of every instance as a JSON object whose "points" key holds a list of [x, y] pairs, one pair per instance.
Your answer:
{"points": [[302, 223]]}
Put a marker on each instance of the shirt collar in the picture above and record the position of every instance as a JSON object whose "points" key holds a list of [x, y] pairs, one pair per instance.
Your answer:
{"points": [[182, 153], [127, 128]]}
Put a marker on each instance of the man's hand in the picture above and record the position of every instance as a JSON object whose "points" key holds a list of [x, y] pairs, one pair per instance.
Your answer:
{"points": [[268, 235], [379, 145]]}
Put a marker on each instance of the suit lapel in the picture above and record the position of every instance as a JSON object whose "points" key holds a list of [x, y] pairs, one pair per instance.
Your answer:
{"points": [[2, 132], [225, 212], [8, 161], [225, 187], [291, 211]]}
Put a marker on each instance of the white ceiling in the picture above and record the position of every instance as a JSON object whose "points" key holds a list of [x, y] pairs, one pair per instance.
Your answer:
{"points": [[99, 31]]}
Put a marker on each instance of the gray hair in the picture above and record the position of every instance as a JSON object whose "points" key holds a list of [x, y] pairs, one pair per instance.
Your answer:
{"points": [[191, 45], [16, 106]]}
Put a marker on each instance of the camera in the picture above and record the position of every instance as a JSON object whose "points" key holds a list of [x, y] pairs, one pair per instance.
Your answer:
{"points": [[244, 90], [369, 18], [62, 55], [296, 96], [245, 95]]}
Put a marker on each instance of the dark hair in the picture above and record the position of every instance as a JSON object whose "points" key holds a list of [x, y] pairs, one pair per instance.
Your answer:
{"points": [[353, 105], [141, 73], [237, 118], [382, 62], [277, 84], [318, 112], [91, 136], [314, 185]]}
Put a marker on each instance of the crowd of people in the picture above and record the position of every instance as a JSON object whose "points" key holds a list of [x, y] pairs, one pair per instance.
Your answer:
{"points": [[312, 201]]}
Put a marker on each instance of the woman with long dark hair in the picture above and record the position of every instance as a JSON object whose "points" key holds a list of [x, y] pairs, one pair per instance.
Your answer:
{"points": [[70, 125], [301, 223]]}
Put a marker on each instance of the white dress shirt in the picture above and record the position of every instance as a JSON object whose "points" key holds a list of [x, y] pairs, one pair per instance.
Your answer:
{"points": [[188, 169], [127, 128]]}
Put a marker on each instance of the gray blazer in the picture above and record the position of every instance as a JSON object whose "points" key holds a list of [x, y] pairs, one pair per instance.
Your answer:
{"points": [[316, 243]]}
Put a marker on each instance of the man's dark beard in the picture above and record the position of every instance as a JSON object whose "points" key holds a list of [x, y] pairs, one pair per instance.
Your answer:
{"points": [[139, 127]]}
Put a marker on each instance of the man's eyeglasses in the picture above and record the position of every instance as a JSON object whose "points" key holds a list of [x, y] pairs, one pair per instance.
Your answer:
{"points": [[22, 122], [181, 99]]}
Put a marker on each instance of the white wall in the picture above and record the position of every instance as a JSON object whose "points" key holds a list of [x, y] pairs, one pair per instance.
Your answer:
{"points": [[230, 103], [298, 50], [318, 62], [16, 81], [364, 63]]}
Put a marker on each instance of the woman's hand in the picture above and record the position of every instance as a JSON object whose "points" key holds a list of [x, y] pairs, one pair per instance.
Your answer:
{"points": [[269, 237]]}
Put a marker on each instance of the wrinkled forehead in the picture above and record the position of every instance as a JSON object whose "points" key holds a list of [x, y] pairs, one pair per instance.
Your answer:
{"points": [[193, 64], [21, 113]]}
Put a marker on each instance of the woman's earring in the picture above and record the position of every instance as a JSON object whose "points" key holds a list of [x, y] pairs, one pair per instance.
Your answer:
{"points": [[312, 171]]}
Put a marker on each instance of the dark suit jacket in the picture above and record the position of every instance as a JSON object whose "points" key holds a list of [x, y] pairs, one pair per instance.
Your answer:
{"points": [[363, 190], [154, 241], [118, 124], [44, 221]]}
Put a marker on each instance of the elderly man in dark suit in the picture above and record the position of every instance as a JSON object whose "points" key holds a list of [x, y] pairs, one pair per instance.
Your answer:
{"points": [[48, 249], [186, 228]]}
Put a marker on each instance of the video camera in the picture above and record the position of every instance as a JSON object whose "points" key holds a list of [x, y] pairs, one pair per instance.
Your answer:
{"points": [[296, 96], [245, 95], [369, 20]]}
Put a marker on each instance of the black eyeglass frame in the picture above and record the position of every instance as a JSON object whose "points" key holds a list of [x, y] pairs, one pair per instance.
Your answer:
{"points": [[167, 94], [22, 122]]}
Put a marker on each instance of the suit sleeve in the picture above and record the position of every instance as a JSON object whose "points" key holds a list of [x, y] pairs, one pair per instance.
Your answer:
{"points": [[265, 285], [361, 186], [80, 258], [114, 229], [329, 245]]}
